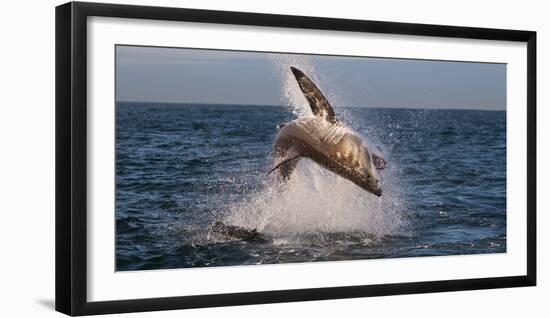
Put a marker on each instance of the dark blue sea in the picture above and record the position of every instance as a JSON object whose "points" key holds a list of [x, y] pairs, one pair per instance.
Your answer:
{"points": [[181, 167]]}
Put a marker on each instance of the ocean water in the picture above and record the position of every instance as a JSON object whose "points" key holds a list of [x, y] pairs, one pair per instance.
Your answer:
{"points": [[181, 167]]}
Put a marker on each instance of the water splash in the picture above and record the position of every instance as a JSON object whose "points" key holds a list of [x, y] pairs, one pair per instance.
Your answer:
{"points": [[316, 200]]}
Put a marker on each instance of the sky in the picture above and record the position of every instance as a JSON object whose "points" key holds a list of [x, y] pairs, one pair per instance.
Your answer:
{"points": [[177, 75]]}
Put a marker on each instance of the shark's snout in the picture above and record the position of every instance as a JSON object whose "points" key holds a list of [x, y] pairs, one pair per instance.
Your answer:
{"points": [[377, 192], [373, 187]]}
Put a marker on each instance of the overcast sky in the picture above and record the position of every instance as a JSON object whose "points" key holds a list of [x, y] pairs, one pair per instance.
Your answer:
{"points": [[152, 74]]}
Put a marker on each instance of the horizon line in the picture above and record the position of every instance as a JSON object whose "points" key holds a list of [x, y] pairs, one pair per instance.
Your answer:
{"points": [[281, 105]]}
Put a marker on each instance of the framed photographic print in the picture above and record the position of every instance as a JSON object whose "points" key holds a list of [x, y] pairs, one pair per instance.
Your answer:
{"points": [[209, 158]]}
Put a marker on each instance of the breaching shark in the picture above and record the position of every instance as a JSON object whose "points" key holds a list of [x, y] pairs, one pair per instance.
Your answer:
{"points": [[323, 139]]}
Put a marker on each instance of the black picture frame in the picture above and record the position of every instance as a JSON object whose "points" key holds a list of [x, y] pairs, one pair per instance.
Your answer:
{"points": [[71, 157]]}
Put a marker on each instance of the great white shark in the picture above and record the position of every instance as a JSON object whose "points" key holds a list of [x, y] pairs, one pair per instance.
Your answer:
{"points": [[326, 141], [322, 139]]}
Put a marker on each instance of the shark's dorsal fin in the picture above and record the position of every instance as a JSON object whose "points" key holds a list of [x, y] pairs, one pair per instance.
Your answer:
{"points": [[317, 101]]}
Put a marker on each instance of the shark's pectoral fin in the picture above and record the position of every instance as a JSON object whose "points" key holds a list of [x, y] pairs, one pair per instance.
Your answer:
{"points": [[286, 161], [317, 101], [286, 166]]}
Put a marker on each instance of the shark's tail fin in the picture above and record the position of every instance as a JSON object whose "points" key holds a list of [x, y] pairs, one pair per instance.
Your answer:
{"points": [[317, 101]]}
